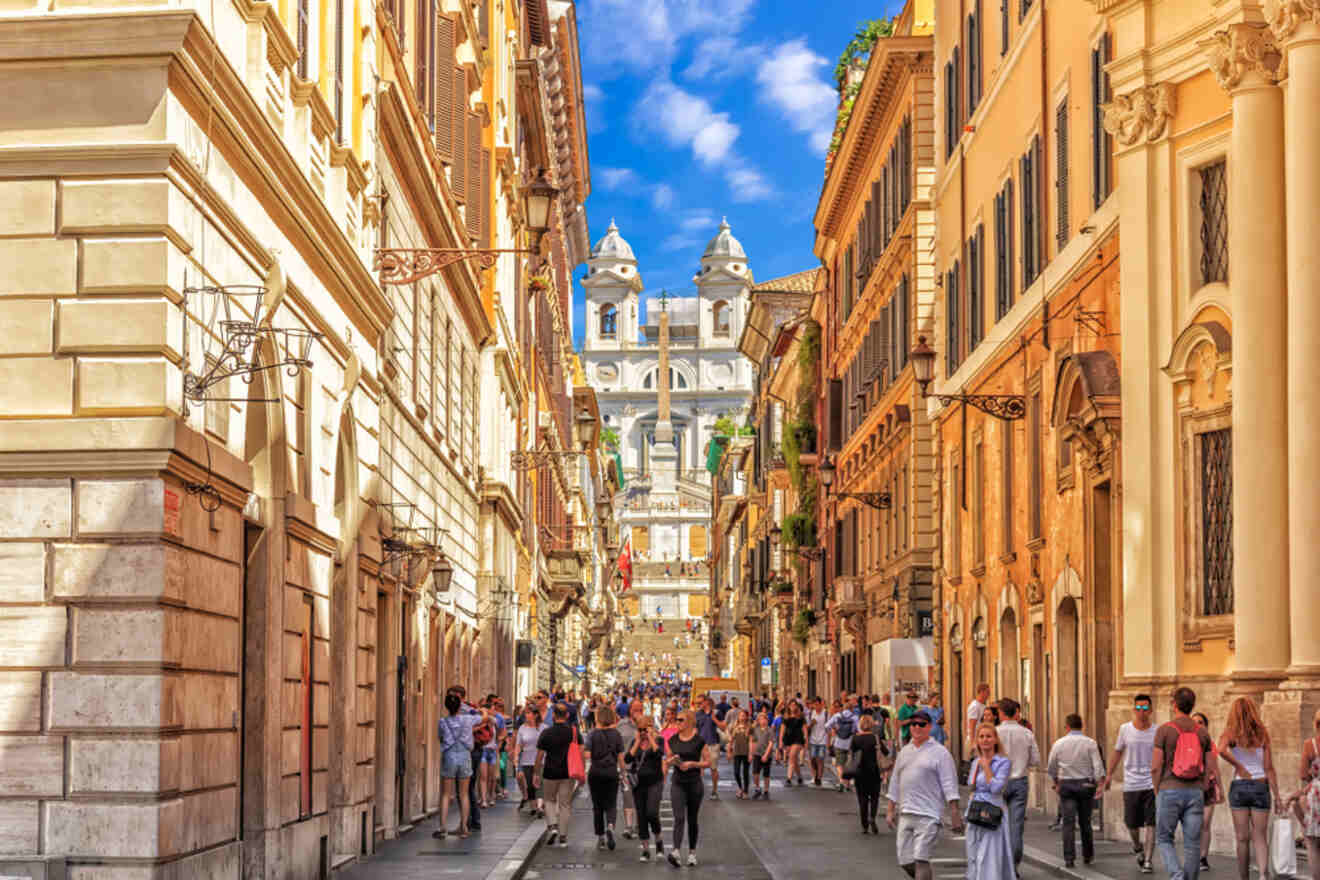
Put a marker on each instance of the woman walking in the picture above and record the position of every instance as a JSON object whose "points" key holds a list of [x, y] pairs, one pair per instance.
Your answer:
{"points": [[867, 778], [740, 749], [763, 744], [456, 746], [792, 740], [524, 758], [1213, 793], [686, 753], [1245, 744], [646, 758], [989, 850], [605, 749], [1307, 800]]}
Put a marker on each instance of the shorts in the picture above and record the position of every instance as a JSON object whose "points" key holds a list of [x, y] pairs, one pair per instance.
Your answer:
{"points": [[761, 768], [456, 764], [916, 838], [489, 755], [842, 755], [1249, 794], [820, 752], [1139, 808]]}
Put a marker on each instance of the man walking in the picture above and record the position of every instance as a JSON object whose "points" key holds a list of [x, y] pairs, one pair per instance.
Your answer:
{"points": [[1179, 760], [1019, 745], [923, 785], [1136, 742], [818, 739], [1076, 766], [709, 728], [905, 713], [975, 709], [844, 724]]}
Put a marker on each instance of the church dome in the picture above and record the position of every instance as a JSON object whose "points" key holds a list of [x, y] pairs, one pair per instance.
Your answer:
{"points": [[724, 245], [612, 246]]}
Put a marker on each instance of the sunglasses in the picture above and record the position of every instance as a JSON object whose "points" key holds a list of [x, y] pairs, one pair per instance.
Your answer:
{"points": [[1142, 708], [918, 724]]}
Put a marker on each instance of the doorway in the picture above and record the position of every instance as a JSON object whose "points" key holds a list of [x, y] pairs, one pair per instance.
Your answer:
{"points": [[1103, 597], [1066, 657], [401, 707], [1008, 655], [954, 708]]}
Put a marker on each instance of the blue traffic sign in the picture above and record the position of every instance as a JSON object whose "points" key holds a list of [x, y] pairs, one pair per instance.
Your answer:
{"points": [[579, 669], [765, 661]]}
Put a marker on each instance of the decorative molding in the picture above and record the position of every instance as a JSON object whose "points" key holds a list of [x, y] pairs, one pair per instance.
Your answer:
{"points": [[1142, 114], [1289, 15], [1242, 50]]}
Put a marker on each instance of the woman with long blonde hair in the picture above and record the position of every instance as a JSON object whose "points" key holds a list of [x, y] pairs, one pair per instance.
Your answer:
{"points": [[989, 850], [1245, 744]]}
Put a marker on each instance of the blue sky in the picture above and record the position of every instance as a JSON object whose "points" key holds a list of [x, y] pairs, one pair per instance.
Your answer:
{"points": [[702, 109]]}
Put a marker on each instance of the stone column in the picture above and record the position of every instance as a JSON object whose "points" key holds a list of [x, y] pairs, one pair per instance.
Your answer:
{"points": [[1245, 59], [1296, 25]]}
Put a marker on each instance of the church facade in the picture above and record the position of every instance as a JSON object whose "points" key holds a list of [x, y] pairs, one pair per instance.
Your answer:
{"points": [[663, 377]]}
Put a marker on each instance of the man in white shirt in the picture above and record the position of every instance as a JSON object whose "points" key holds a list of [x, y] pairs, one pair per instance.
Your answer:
{"points": [[975, 709], [1135, 745], [1076, 767], [924, 783], [1019, 746], [843, 724], [818, 738]]}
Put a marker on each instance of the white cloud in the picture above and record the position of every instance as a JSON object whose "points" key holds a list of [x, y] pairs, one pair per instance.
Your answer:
{"points": [[615, 178], [685, 119], [792, 80], [721, 57], [592, 92], [638, 35], [746, 184], [693, 222], [680, 242], [663, 197]]}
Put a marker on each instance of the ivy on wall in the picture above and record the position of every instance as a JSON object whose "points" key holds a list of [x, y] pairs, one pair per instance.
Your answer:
{"points": [[854, 58]]}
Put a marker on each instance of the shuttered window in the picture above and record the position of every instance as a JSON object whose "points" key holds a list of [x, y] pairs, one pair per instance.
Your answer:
{"points": [[974, 58], [444, 87], [835, 415], [904, 323], [472, 146], [424, 59], [1006, 493], [339, 71], [641, 539], [1003, 27], [697, 541], [440, 380], [422, 361], [1035, 461], [304, 37], [458, 112], [1102, 143], [485, 197], [950, 100], [975, 289], [1004, 250], [953, 299], [954, 564], [1061, 181], [1031, 203]]}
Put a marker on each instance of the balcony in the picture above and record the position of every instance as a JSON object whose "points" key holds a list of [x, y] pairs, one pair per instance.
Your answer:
{"points": [[848, 596]]}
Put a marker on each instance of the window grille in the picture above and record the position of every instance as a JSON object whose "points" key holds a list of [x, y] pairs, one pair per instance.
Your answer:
{"points": [[1214, 222], [1217, 521]]}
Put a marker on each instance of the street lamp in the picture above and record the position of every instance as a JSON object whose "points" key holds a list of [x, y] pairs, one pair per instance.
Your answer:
{"points": [[537, 197], [442, 574], [585, 427], [878, 500], [1009, 407], [809, 553]]}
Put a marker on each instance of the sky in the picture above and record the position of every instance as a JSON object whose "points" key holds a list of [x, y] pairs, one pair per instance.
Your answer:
{"points": [[699, 110]]}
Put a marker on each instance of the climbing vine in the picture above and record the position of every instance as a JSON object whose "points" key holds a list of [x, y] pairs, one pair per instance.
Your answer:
{"points": [[854, 56]]}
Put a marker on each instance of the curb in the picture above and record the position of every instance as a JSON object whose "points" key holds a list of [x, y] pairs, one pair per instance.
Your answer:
{"points": [[524, 849], [1042, 859]]}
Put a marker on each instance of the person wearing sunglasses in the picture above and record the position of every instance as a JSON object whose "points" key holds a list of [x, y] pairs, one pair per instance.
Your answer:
{"points": [[1135, 746], [924, 784]]}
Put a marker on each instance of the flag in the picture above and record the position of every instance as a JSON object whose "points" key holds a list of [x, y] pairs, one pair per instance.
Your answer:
{"points": [[624, 564]]}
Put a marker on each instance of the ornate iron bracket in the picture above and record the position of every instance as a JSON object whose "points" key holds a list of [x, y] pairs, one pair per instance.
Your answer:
{"points": [[878, 500], [811, 554], [535, 459], [406, 265], [1009, 407]]}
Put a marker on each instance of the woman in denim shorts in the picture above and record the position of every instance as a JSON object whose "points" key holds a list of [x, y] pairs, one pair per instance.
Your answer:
{"points": [[455, 762], [1245, 743]]}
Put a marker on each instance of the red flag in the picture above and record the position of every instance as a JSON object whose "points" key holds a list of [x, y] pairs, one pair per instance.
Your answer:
{"points": [[625, 564]]}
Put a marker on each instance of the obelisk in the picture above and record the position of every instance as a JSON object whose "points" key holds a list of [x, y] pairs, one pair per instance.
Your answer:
{"points": [[664, 457]]}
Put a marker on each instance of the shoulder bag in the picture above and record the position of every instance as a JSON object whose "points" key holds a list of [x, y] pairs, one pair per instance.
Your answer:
{"points": [[983, 813], [577, 768]]}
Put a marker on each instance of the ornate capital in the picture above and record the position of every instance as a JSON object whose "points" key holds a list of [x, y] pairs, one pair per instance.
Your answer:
{"points": [[1289, 15], [1144, 113], [1243, 51]]}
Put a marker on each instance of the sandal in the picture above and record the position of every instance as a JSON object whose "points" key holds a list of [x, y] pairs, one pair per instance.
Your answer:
{"points": [[463, 834]]}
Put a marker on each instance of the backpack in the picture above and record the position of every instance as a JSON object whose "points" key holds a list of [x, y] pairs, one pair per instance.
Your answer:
{"points": [[844, 728], [483, 733], [1188, 756]]}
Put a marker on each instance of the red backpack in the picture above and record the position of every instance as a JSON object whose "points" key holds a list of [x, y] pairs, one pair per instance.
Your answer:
{"points": [[1188, 756]]}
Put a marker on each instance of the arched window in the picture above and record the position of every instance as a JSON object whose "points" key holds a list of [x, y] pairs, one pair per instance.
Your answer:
{"points": [[720, 313], [677, 381], [609, 321]]}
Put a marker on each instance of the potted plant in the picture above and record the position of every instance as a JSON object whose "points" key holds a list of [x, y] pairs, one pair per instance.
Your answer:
{"points": [[802, 624]]}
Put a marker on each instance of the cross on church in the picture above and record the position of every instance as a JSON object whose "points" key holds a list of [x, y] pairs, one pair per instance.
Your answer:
{"points": [[664, 300]]}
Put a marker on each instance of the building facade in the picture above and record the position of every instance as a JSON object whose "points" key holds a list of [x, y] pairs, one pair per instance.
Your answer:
{"points": [[242, 457]]}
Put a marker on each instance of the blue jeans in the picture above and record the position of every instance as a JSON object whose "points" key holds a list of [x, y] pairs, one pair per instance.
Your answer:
{"points": [[1015, 800], [1185, 805]]}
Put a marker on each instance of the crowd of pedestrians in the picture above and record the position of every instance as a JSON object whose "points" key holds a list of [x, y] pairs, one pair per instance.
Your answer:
{"points": [[635, 743]]}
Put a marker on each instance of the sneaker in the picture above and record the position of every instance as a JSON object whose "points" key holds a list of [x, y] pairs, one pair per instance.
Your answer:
{"points": [[646, 855], [673, 859], [551, 836], [788, 783], [659, 847], [714, 795], [563, 841], [628, 834], [609, 838], [1056, 826], [756, 794], [766, 795], [438, 835], [1136, 848], [1147, 868], [816, 783], [875, 829], [600, 842], [692, 860], [1205, 864]]}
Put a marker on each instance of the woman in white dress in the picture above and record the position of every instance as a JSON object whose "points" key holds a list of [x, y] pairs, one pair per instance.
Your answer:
{"points": [[989, 850]]}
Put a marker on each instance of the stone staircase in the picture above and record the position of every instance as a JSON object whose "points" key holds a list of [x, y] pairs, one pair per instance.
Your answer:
{"points": [[645, 641]]}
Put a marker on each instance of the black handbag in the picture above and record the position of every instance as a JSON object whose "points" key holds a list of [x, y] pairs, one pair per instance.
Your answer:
{"points": [[854, 764], [984, 814]]}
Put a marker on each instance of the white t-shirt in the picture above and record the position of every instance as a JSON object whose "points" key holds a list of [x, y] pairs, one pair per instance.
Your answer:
{"points": [[527, 735], [1136, 746], [975, 709], [819, 735]]}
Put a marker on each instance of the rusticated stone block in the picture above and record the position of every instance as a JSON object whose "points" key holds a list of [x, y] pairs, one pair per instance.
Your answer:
{"points": [[88, 701], [128, 385], [27, 207], [120, 206], [26, 326], [20, 701], [35, 508], [208, 760], [119, 830], [32, 636], [132, 265], [31, 766], [208, 702], [23, 572], [121, 507], [123, 635], [38, 267], [112, 766], [130, 572], [19, 824], [151, 326], [36, 386]]}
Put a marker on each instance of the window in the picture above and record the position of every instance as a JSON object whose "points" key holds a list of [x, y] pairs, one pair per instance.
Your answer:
{"points": [[904, 324], [1006, 496], [1217, 520], [304, 37], [1061, 234], [952, 114], [1004, 250], [425, 61], [1003, 27], [677, 380], [974, 57], [978, 503], [641, 540], [1031, 197], [440, 388], [609, 321], [720, 318], [1023, 7], [1214, 222], [953, 297], [339, 71], [1035, 462], [955, 517], [975, 289], [1102, 142]]}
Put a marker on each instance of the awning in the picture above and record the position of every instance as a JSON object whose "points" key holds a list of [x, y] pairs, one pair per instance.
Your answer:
{"points": [[618, 467], [715, 452]]}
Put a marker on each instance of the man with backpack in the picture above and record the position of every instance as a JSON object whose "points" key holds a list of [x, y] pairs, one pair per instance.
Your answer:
{"points": [[1182, 753], [844, 724]]}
